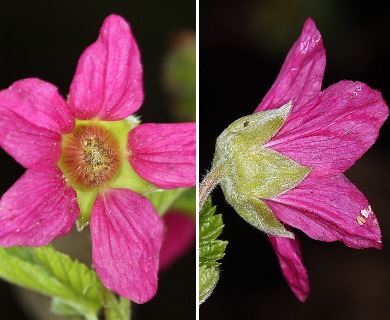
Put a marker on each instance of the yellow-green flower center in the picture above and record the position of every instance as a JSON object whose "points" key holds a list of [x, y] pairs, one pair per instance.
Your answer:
{"points": [[94, 159], [90, 156]]}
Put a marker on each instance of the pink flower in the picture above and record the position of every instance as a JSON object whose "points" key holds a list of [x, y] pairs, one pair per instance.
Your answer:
{"points": [[88, 156], [180, 232], [326, 131]]}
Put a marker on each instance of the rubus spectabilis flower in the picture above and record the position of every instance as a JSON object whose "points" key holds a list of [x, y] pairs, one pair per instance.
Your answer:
{"points": [[89, 159], [180, 232], [283, 165]]}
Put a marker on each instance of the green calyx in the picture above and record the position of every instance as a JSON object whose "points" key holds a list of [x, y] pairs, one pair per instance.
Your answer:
{"points": [[94, 159], [251, 172]]}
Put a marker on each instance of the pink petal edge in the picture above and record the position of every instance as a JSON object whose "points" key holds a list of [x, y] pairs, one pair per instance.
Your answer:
{"points": [[329, 209], [179, 237], [289, 255], [337, 131], [38, 102], [164, 154], [108, 79], [300, 77], [126, 234], [27, 143], [37, 208]]}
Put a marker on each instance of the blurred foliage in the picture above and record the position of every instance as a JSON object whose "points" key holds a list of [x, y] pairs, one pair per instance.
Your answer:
{"points": [[75, 288], [179, 75]]}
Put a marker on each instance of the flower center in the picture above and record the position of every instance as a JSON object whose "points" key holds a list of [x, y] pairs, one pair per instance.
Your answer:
{"points": [[90, 156]]}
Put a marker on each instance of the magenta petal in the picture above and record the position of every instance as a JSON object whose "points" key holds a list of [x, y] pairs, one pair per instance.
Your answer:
{"points": [[164, 154], [37, 208], [329, 209], [27, 143], [38, 102], [179, 238], [301, 75], [337, 131], [126, 237], [108, 79], [289, 255]]}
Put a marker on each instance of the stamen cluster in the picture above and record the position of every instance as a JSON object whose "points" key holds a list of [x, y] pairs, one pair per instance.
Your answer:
{"points": [[90, 156]]}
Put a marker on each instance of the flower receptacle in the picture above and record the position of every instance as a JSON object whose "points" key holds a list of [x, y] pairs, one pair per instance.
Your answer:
{"points": [[251, 172]]}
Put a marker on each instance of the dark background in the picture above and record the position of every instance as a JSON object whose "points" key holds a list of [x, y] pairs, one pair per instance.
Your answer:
{"points": [[45, 39], [242, 47]]}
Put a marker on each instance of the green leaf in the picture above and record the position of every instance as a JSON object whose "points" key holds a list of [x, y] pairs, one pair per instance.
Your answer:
{"points": [[208, 278], [186, 202], [212, 252], [210, 249], [115, 309], [211, 228], [181, 199], [61, 308], [163, 200], [74, 286]]}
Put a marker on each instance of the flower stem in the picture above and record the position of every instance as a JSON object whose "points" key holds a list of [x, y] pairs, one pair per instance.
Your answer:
{"points": [[114, 309], [209, 182], [91, 316], [125, 305]]}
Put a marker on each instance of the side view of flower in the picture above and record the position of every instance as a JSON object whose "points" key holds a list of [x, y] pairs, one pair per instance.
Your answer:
{"points": [[90, 161], [283, 166]]}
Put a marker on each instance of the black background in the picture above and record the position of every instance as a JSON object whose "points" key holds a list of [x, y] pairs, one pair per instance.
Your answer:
{"points": [[45, 39], [242, 47]]}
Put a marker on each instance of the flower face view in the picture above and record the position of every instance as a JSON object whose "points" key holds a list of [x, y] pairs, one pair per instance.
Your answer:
{"points": [[283, 166], [88, 159]]}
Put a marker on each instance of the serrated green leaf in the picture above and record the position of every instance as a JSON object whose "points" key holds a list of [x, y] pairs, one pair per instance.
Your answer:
{"points": [[211, 228], [210, 249], [208, 278], [211, 252], [53, 274]]}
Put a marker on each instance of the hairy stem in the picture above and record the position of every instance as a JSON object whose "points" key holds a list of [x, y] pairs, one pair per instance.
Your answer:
{"points": [[209, 182]]}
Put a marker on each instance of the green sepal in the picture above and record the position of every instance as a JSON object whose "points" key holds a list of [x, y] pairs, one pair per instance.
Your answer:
{"points": [[262, 173], [258, 214], [252, 172], [85, 200], [249, 132]]}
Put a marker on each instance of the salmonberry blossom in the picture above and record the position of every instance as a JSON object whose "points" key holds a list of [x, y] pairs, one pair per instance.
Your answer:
{"points": [[180, 232], [89, 159], [283, 165]]}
